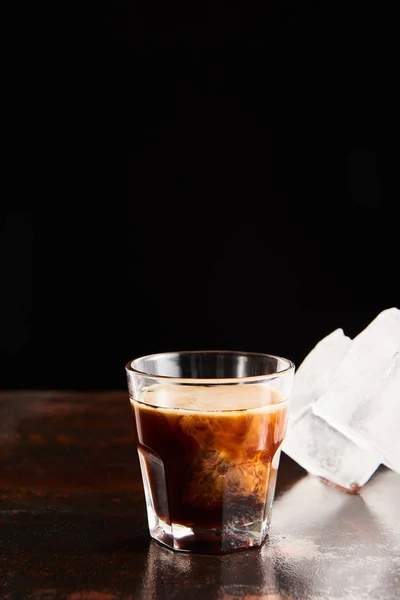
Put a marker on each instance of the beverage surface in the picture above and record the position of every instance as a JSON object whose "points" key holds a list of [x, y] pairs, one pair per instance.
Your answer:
{"points": [[212, 398]]}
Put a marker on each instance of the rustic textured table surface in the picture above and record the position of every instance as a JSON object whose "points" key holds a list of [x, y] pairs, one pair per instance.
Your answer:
{"points": [[73, 525]]}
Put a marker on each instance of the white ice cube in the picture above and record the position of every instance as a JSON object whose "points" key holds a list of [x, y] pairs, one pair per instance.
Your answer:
{"points": [[325, 452], [362, 400], [316, 371]]}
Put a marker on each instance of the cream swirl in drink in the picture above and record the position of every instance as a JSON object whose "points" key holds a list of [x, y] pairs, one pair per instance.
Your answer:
{"points": [[208, 451]]}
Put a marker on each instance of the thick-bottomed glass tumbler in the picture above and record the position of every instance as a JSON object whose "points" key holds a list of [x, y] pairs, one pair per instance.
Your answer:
{"points": [[209, 426]]}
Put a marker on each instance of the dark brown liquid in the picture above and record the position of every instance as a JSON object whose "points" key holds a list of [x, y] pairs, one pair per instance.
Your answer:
{"points": [[206, 467]]}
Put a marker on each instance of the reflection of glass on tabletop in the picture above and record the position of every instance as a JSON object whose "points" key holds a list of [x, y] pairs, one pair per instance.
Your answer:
{"points": [[170, 574]]}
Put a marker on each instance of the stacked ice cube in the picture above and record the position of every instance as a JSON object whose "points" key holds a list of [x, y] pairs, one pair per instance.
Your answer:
{"points": [[345, 412]]}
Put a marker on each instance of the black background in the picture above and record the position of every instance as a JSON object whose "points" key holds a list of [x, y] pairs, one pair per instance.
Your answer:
{"points": [[218, 177]]}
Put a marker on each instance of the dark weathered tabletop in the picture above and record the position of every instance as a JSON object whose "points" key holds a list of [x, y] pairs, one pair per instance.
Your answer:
{"points": [[73, 525]]}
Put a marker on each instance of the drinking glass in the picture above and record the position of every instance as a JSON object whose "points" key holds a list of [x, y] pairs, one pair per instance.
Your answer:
{"points": [[209, 426]]}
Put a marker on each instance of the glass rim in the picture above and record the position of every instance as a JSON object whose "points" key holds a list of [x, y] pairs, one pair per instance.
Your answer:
{"points": [[289, 368]]}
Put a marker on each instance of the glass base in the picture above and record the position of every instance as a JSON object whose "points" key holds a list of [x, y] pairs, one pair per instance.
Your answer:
{"points": [[239, 526], [186, 539]]}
